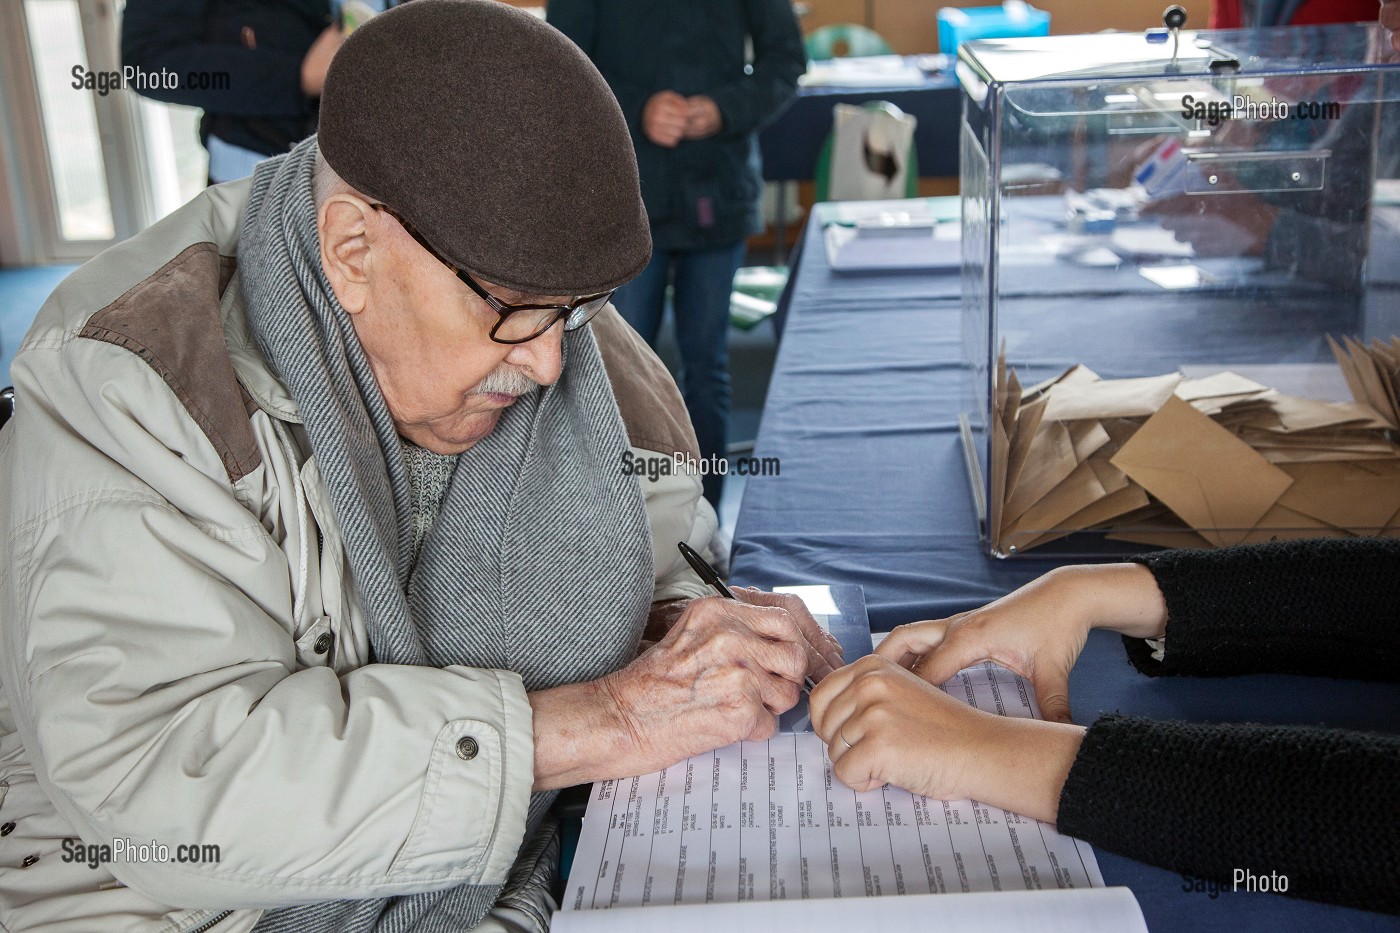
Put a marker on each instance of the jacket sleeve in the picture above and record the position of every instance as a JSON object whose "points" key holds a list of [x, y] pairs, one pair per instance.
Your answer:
{"points": [[1254, 797], [778, 61], [1323, 606], [169, 34], [153, 675], [678, 511]]}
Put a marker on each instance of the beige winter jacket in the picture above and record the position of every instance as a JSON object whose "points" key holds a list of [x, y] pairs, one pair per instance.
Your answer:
{"points": [[183, 662]]}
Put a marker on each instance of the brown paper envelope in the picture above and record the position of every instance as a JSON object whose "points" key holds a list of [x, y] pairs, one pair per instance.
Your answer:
{"points": [[1284, 524], [1077, 491], [1281, 455], [1228, 403], [1366, 442], [1075, 375], [1087, 437], [1385, 354], [999, 385], [1184, 538], [1111, 398], [1389, 377], [1219, 385], [1110, 477], [1130, 498], [997, 472], [1377, 394], [1209, 477], [1254, 419], [1020, 440], [1049, 461], [1349, 371], [1120, 431], [1357, 497], [1305, 414], [1012, 403]]}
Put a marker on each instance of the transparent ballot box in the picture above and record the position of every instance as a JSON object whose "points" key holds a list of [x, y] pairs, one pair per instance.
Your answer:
{"points": [[1181, 288]]}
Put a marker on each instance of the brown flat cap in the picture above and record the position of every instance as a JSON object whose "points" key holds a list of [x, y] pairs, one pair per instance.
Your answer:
{"points": [[496, 138]]}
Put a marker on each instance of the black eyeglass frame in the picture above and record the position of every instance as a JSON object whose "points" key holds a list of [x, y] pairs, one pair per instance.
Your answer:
{"points": [[503, 309]]}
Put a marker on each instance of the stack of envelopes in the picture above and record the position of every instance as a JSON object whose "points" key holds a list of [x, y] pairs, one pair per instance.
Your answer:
{"points": [[1195, 462]]}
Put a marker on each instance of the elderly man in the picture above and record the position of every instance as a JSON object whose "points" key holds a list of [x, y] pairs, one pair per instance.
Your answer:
{"points": [[318, 544]]}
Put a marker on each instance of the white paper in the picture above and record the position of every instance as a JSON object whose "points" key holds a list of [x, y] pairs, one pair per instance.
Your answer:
{"points": [[1098, 910], [761, 821]]}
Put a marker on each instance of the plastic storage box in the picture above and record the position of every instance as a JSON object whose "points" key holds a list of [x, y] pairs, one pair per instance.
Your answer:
{"points": [[957, 25], [1181, 278]]}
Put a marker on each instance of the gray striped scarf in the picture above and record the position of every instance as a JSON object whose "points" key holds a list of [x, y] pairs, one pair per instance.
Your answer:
{"points": [[539, 561]]}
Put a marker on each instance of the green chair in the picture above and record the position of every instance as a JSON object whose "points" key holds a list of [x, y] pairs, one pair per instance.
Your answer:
{"points": [[822, 176], [754, 297], [840, 40]]}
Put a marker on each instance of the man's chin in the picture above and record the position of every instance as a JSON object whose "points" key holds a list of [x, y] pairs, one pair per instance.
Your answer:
{"points": [[462, 437]]}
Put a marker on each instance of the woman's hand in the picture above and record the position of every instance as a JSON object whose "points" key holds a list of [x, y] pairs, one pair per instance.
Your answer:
{"points": [[1038, 631], [883, 725]]}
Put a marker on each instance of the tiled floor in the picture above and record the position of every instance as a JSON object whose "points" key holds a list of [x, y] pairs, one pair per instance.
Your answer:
{"points": [[22, 291]]}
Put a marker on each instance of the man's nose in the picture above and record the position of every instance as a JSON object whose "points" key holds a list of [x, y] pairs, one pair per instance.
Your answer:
{"points": [[541, 359]]}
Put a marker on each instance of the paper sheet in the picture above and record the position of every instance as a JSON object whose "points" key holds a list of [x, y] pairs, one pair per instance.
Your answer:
{"points": [[760, 821], [1087, 910]]}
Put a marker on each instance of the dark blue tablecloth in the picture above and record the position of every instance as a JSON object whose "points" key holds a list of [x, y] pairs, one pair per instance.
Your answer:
{"points": [[862, 413]]}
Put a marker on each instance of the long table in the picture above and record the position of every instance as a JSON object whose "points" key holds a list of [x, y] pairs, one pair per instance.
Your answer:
{"points": [[863, 414]]}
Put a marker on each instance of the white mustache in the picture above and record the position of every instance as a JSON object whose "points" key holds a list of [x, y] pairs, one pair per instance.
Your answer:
{"points": [[506, 380]]}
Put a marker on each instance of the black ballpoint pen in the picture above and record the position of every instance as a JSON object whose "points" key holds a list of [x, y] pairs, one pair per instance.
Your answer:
{"points": [[708, 574]]}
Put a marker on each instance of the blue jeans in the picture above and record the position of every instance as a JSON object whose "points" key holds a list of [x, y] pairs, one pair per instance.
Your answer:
{"points": [[703, 280]]}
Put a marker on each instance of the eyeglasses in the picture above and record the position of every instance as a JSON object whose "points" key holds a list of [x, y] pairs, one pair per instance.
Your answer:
{"points": [[518, 323]]}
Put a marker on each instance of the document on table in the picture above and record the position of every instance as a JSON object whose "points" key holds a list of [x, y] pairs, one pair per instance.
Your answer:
{"points": [[768, 821]]}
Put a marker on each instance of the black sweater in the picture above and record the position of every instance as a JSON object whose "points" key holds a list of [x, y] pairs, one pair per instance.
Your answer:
{"points": [[1205, 799], [255, 47], [645, 46]]}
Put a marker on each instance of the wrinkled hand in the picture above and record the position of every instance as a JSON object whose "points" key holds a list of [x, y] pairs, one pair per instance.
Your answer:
{"points": [[318, 60], [1219, 225], [702, 117], [1390, 19], [824, 652], [883, 725], [723, 673], [665, 118]]}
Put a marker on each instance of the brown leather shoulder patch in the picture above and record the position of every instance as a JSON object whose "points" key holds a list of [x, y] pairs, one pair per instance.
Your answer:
{"points": [[172, 321], [647, 396]]}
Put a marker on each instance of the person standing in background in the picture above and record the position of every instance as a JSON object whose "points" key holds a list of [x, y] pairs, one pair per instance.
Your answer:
{"points": [[1233, 14], [255, 68], [694, 101], [1390, 19]]}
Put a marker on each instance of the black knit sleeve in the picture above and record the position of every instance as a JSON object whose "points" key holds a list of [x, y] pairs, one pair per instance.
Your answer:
{"points": [[1329, 607], [1316, 805]]}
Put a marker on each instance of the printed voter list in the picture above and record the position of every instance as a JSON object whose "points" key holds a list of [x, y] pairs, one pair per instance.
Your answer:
{"points": [[759, 821]]}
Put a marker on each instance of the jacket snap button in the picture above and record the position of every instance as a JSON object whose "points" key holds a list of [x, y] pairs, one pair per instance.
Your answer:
{"points": [[467, 748], [29, 860], [323, 644], [7, 829]]}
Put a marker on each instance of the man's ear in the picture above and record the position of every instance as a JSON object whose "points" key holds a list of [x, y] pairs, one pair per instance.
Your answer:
{"points": [[347, 253]]}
